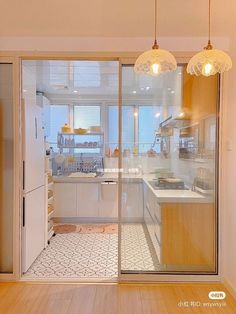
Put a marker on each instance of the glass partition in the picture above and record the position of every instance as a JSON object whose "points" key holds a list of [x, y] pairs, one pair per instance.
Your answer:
{"points": [[169, 173], [6, 168]]}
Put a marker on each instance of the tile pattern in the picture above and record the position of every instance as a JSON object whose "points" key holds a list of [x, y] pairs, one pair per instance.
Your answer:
{"points": [[137, 253], [95, 255]]}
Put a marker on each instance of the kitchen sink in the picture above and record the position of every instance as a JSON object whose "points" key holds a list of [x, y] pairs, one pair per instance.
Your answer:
{"points": [[156, 186]]}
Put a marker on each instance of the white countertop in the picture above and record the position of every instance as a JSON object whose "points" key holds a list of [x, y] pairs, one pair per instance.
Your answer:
{"points": [[163, 196], [179, 196]]}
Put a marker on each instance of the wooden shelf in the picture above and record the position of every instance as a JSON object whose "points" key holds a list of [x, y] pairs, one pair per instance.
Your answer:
{"points": [[50, 214], [88, 133], [50, 199], [50, 184], [50, 233]]}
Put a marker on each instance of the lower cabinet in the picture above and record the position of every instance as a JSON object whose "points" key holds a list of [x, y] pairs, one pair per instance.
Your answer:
{"points": [[132, 200], [88, 199], [98, 200], [65, 200], [108, 203], [183, 234]]}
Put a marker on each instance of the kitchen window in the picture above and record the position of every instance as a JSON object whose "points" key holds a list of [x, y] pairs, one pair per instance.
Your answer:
{"points": [[127, 127], [57, 116], [138, 127]]}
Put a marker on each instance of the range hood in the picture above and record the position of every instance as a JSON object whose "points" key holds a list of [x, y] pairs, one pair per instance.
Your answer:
{"points": [[177, 122]]}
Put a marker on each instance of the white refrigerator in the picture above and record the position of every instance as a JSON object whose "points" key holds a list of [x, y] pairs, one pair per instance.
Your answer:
{"points": [[33, 213]]}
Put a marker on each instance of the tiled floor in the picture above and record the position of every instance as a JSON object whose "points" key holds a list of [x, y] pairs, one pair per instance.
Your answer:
{"points": [[94, 255]]}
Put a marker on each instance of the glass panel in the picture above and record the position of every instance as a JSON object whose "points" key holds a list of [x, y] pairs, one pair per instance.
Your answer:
{"points": [[86, 117], [57, 115], [169, 181], [127, 127], [6, 168]]}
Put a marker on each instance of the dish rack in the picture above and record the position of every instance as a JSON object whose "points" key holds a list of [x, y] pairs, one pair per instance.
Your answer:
{"points": [[80, 164]]}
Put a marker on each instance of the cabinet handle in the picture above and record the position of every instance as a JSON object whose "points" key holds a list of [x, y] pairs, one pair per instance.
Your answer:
{"points": [[158, 241], [23, 213], [108, 182], [36, 127], [158, 221], [23, 174]]}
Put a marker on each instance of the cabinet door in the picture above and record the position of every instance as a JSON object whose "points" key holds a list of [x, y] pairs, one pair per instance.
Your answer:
{"points": [[108, 205], [132, 200], [65, 199], [87, 199]]}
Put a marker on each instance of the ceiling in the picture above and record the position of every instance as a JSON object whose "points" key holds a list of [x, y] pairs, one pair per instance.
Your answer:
{"points": [[74, 80], [112, 18]]}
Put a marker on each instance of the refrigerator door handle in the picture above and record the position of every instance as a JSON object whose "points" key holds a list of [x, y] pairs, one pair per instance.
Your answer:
{"points": [[23, 175], [36, 127], [23, 212]]}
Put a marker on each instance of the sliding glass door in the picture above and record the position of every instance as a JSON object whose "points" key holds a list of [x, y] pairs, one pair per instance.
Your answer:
{"points": [[6, 167], [168, 180]]}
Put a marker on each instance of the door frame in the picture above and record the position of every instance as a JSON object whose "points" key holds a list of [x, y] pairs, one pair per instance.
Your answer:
{"points": [[15, 61], [16, 57]]}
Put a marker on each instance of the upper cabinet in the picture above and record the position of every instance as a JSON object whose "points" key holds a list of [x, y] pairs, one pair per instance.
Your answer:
{"points": [[200, 95]]}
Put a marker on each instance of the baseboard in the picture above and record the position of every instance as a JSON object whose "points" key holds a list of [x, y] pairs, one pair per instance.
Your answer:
{"points": [[229, 288]]}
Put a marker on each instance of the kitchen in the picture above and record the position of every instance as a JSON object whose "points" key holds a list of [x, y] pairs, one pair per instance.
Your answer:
{"points": [[167, 179]]}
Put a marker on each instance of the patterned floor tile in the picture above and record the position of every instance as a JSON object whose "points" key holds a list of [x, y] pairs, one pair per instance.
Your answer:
{"points": [[95, 255]]}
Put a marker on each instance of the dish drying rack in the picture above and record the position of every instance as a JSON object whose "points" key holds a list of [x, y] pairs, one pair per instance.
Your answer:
{"points": [[83, 164]]}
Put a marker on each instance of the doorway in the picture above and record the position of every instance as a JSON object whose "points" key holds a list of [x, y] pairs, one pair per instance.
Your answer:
{"points": [[180, 144], [70, 229]]}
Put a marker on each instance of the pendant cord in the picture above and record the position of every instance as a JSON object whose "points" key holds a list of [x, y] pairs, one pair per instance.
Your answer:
{"points": [[155, 45], [209, 22], [155, 32]]}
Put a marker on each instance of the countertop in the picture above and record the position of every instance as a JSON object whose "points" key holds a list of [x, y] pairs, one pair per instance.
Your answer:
{"points": [[163, 196], [179, 196]]}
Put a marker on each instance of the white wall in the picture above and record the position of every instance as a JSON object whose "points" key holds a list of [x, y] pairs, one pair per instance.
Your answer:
{"points": [[228, 231], [101, 44]]}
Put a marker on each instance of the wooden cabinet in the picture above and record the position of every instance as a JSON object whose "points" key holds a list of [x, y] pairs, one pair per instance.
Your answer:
{"points": [[188, 234], [65, 199], [183, 234], [87, 199], [200, 95]]}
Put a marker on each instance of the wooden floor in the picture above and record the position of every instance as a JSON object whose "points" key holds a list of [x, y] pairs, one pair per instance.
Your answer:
{"points": [[26, 298]]}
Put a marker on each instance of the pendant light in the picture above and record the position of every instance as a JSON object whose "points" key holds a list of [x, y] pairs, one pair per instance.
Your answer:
{"points": [[155, 61], [209, 61]]}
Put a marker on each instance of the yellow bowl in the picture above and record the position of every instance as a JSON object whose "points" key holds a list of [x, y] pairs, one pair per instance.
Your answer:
{"points": [[80, 131]]}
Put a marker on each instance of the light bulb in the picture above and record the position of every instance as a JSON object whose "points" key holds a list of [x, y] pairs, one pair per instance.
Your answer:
{"points": [[207, 69], [135, 114], [157, 114], [155, 68]]}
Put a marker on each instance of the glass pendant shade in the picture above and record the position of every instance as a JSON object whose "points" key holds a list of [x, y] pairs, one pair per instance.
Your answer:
{"points": [[154, 62], [209, 62]]}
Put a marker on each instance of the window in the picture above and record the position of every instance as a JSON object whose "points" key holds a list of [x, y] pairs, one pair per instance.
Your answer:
{"points": [[138, 127], [148, 123], [127, 127], [85, 117], [58, 115]]}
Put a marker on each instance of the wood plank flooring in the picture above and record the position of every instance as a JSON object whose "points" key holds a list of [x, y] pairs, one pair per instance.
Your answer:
{"points": [[27, 298]]}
